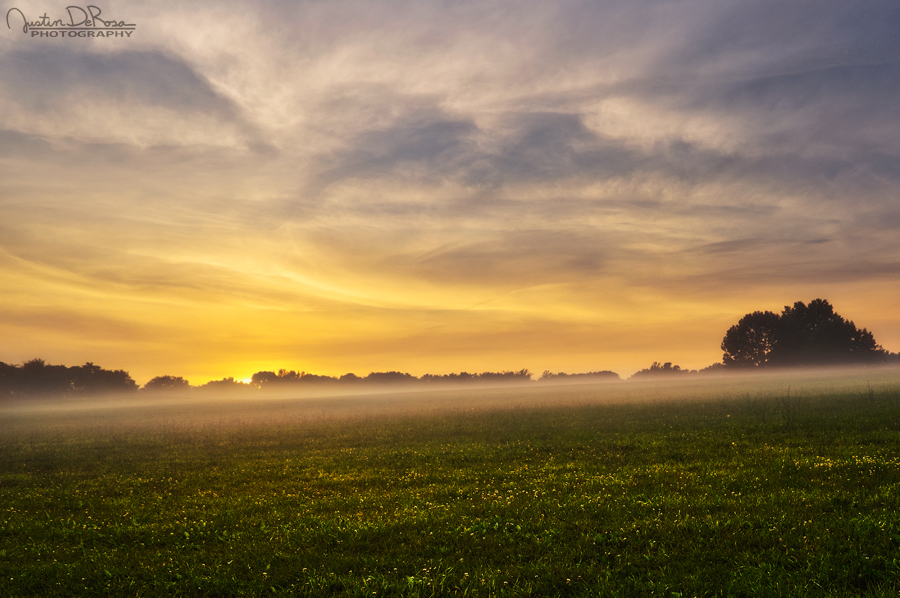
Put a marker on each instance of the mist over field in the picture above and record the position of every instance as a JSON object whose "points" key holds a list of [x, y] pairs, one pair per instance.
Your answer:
{"points": [[364, 404]]}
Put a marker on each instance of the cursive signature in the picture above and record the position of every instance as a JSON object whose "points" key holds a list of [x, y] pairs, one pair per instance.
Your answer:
{"points": [[79, 18]]}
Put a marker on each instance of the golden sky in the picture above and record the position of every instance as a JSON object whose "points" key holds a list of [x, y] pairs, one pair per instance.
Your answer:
{"points": [[442, 186]]}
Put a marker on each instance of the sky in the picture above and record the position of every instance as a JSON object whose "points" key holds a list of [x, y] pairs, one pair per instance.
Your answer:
{"points": [[341, 186]]}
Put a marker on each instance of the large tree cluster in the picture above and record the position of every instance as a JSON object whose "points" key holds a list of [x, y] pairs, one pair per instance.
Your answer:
{"points": [[801, 335], [37, 377]]}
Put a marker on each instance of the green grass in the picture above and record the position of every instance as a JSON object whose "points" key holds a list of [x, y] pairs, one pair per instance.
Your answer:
{"points": [[744, 495]]}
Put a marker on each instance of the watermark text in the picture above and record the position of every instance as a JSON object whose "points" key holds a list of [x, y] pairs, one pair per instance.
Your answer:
{"points": [[80, 22]]}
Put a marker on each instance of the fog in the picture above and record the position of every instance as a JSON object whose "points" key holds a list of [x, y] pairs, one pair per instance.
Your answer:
{"points": [[46, 417]]}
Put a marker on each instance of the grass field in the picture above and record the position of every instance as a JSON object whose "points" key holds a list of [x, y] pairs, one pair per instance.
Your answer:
{"points": [[774, 487]]}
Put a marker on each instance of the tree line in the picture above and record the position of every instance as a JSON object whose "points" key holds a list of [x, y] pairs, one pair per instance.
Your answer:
{"points": [[36, 377], [284, 379], [801, 335]]}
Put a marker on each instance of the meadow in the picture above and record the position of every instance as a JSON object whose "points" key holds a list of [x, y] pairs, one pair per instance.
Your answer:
{"points": [[779, 486]]}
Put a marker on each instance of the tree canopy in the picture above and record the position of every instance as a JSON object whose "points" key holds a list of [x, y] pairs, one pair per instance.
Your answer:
{"points": [[167, 384], [284, 378], [661, 369], [37, 377], [601, 375], [802, 334]]}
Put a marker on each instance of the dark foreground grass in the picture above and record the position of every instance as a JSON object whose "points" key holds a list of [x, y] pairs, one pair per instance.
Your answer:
{"points": [[753, 496]]}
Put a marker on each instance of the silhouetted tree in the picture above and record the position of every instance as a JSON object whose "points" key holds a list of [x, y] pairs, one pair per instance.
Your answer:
{"points": [[93, 379], [225, 385], [270, 379], [453, 377], [815, 334], [750, 342], [264, 379], [36, 377], [801, 335], [508, 376], [9, 377], [167, 384], [661, 369], [604, 375], [390, 378], [285, 378], [288, 376], [466, 377], [317, 379]]}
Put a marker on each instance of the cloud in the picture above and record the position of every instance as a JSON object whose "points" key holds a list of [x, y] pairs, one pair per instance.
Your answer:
{"points": [[47, 77], [550, 146], [143, 96], [771, 35], [425, 146], [808, 82], [519, 258]]}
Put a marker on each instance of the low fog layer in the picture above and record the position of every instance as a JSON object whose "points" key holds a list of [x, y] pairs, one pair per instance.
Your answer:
{"points": [[173, 413]]}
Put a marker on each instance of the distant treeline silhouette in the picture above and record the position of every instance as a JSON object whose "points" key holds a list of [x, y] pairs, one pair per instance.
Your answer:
{"points": [[604, 375], [667, 369], [285, 379], [802, 335], [282, 378], [36, 377]]}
